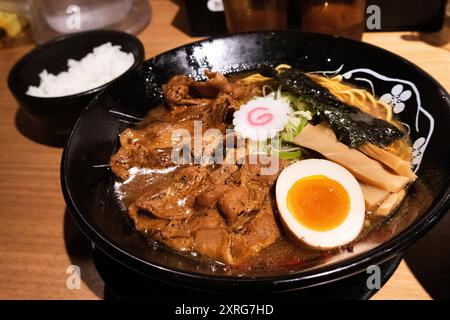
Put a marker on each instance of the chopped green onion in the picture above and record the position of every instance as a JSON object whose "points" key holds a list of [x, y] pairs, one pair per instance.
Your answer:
{"points": [[297, 121], [297, 103], [293, 128], [288, 155]]}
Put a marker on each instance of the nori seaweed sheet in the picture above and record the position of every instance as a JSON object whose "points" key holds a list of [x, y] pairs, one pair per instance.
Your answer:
{"points": [[351, 125]]}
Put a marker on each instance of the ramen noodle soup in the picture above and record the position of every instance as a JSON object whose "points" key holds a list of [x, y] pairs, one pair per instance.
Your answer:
{"points": [[269, 169]]}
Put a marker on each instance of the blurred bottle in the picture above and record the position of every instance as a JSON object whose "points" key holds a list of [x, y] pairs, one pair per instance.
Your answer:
{"points": [[344, 18], [254, 15], [205, 17], [51, 18]]}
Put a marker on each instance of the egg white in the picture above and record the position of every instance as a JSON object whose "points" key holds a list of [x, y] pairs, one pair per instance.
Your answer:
{"points": [[348, 230]]}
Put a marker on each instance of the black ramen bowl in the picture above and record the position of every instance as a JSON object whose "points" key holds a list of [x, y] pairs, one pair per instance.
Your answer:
{"points": [[58, 114], [88, 184]]}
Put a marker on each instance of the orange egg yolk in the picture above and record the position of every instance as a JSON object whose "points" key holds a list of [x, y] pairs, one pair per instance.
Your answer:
{"points": [[318, 203]]}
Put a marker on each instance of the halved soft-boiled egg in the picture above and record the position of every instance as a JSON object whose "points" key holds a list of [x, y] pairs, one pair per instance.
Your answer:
{"points": [[320, 203]]}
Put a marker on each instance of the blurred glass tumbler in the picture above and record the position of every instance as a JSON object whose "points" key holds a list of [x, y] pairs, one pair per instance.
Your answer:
{"points": [[344, 18], [254, 15], [52, 18]]}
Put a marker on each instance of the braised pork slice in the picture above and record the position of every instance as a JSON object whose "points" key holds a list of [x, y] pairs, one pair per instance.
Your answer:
{"points": [[237, 205], [221, 211], [184, 91], [257, 233], [175, 201], [214, 243], [216, 83], [151, 146], [177, 92], [208, 199], [136, 151]]}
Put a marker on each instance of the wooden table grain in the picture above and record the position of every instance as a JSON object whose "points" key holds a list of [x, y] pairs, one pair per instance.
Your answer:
{"points": [[39, 241]]}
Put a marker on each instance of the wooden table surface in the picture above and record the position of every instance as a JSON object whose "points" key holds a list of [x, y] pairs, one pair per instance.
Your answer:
{"points": [[38, 240]]}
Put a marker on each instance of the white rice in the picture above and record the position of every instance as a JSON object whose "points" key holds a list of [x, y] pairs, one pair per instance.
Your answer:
{"points": [[105, 63]]}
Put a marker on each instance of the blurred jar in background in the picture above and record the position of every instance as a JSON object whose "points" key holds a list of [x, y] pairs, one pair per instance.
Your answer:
{"points": [[254, 15], [344, 18]]}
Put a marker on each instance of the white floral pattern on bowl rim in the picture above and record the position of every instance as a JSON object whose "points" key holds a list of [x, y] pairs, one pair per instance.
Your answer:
{"points": [[396, 98], [403, 95]]}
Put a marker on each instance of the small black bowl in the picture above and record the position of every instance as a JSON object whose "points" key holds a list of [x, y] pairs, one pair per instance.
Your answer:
{"points": [[58, 114]]}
